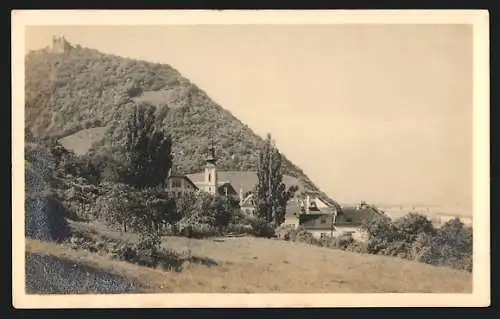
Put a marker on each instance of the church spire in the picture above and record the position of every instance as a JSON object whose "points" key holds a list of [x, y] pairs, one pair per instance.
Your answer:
{"points": [[211, 178], [211, 158]]}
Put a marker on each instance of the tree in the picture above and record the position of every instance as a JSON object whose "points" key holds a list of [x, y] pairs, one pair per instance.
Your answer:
{"points": [[411, 225], [117, 204], [148, 149], [144, 210], [271, 193], [453, 245], [156, 208], [185, 203], [381, 234], [223, 209]]}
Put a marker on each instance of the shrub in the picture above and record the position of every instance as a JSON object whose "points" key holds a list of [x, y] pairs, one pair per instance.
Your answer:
{"points": [[452, 246], [413, 237], [261, 228], [357, 247], [286, 232], [345, 240], [193, 229], [329, 242], [146, 252], [410, 226], [306, 237], [239, 229], [125, 253], [169, 260]]}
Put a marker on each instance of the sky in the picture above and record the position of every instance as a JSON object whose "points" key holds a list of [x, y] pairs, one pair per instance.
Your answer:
{"points": [[381, 113]]}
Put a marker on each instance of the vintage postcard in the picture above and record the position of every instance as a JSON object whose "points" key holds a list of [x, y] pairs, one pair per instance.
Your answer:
{"points": [[212, 158]]}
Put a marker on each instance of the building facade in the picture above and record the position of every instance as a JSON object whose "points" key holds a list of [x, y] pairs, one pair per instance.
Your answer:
{"points": [[179, 184], [210, 182]]}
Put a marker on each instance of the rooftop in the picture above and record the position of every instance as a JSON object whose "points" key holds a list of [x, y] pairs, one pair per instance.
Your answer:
{"points": [[353, 216], [245, 180]]}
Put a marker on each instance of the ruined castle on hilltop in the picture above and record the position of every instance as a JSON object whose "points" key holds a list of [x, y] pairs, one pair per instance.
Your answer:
{"points": [[60, 45]]}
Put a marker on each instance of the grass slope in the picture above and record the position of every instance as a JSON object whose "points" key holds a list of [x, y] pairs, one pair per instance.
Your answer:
{"points": [[47, 274], [68, 94], [82, 141], [254, 265]]}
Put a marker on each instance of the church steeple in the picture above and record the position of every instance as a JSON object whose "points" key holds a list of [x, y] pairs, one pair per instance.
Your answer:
{"points": [[211, 158], [211, 169]]}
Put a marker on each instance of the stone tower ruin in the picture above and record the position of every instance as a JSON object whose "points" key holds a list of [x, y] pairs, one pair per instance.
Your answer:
{"points": [[60, 45]]}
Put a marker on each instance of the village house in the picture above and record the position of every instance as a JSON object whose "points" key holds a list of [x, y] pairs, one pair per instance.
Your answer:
{"points": [[306, 210], [320, 219], [210, 182], [179, 184]]}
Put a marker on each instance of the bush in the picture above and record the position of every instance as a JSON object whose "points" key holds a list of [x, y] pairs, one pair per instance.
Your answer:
{"points": [[413, 237], [306, 237], [169, 260], [147, 252], [125, 253], [239, 229], [196, 230], [261, 228], [341, 242], [286, 232], [357, 247]]}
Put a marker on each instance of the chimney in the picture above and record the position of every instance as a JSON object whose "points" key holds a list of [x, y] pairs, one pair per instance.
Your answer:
{"points": [[241, 195]]}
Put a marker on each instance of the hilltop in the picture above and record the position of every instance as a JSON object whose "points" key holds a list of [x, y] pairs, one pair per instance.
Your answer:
{"points": [[82, 96]]}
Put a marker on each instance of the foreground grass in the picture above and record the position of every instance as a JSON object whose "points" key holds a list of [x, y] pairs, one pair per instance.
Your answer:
{"points": [[255, 265]]}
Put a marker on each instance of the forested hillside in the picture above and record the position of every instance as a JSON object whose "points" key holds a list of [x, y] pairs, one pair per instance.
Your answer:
{"points": [[81, 89]]}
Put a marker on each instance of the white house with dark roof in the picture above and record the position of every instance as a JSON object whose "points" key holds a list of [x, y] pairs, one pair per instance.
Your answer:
{"points": [[318, 218]]}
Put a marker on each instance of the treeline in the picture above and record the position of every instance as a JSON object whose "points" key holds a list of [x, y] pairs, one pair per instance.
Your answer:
{"points": [[412, 237]]}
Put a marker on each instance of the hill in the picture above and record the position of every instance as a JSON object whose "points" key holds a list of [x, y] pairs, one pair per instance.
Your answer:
{"points": [[82, 97], [257, 265]]}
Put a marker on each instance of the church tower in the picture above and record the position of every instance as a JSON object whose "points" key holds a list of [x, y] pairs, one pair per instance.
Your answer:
{"points": [[211, 171]]}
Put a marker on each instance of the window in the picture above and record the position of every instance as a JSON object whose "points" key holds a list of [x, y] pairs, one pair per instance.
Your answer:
{"points": [[209, 177], [323, 220], [176, 183]]}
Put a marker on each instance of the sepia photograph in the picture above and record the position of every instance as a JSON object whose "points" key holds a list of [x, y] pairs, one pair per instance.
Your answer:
{"points": [[325, 158]]}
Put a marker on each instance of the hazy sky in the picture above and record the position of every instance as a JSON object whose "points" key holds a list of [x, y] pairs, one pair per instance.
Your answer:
{"points": [[381, 113]]}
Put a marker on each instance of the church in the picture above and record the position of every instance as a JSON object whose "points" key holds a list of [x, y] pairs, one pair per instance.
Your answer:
{"points": [[210, 182], [241, 184]]}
